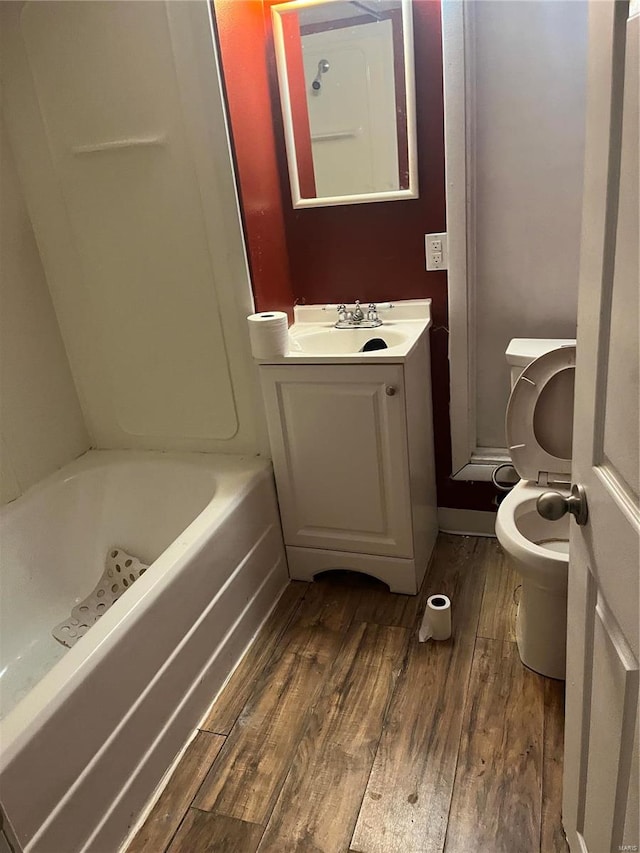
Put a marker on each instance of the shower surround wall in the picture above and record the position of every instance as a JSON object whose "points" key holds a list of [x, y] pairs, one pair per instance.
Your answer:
{"points": [[120, 141], [41, 424]]}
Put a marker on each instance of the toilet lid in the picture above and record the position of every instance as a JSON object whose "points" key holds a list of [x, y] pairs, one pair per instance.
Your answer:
{"points": [[539, 425]]}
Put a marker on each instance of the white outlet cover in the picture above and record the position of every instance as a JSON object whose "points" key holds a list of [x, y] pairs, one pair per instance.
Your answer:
{"points": [[432, 251]]}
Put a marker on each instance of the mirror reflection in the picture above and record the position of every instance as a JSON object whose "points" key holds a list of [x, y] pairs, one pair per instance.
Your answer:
{"points": [[347, 99]]}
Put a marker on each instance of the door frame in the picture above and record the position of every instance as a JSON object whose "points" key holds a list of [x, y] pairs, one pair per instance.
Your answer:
{"points": [[457, 71], [469, 461]]}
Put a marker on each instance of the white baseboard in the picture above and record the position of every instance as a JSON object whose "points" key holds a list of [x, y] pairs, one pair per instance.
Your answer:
{"points": [[467, 522]]}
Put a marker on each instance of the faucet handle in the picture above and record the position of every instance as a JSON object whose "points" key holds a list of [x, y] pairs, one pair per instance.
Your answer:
{"points": [[372, 312], [342, 313], [358, 314]]}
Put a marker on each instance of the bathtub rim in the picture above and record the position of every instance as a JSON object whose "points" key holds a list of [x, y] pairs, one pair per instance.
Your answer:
{"points": [[234, 477]]}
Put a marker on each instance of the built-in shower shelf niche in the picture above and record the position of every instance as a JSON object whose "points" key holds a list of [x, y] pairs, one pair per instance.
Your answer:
{"points": [[115, 157]]}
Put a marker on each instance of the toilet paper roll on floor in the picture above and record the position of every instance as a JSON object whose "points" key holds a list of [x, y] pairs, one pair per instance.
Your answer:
{"points": [[269, 334], [436, 622]]}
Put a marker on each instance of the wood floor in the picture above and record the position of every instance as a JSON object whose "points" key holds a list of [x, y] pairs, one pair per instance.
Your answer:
{"points": [[340, 732]]}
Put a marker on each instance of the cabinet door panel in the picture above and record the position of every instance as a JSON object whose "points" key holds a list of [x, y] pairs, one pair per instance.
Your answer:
{"points": [[340, 455]]}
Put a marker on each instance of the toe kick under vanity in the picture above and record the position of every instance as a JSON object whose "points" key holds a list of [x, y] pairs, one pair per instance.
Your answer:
{"points": [[351, 438]]}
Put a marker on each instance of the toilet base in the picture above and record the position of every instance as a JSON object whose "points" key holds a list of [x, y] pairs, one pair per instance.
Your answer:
{"points": [[541, 629]]}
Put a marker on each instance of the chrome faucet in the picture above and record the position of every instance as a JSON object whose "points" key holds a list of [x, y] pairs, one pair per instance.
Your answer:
{"points": [[357, 317]]}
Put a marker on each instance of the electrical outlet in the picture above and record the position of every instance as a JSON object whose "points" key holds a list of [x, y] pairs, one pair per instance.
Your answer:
{"points": [[436, 251]]}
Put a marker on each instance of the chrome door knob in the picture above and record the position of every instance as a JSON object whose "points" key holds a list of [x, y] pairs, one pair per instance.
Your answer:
{"points": [[553, 505]]}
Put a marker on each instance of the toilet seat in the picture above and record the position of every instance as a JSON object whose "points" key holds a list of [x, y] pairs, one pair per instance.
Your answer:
{"points": [[526, 536], [539, 420]]}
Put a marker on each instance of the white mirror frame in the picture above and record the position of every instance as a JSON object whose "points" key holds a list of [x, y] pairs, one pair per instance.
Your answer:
{"points": [[285, 102]]}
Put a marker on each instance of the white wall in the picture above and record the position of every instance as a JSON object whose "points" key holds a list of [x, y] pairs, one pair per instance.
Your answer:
{"points": [[121, 143], [41, 425], [530, 67]]}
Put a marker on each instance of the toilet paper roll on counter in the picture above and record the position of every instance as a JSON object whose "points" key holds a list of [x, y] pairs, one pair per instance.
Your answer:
{"points": [[436, 622], [269, 334]]}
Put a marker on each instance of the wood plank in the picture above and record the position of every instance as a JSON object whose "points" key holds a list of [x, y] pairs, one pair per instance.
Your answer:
{"points": [[163, 820], [499, 603], [552, 837], [318, 805], [378, 606], [203, 832], [448, 551], [236, 693], [496, 804], [246, 780], [308, 702], [407, 799]]}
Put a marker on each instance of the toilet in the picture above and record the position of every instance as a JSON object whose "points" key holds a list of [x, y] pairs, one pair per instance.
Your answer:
{"points": [[539, 430]]}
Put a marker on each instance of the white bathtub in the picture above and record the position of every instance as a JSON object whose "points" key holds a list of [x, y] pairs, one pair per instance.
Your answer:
{"points": [[93, 728]]}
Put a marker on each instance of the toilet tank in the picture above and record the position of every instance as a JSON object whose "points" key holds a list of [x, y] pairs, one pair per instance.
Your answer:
{"points": [[522, 351]]}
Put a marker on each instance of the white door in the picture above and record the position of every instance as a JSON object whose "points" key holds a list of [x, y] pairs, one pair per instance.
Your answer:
{"points": [[338, 437], [600, 808]]}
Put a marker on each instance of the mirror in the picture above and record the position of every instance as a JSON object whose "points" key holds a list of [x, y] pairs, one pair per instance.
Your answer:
{"points": [[345, 71]]}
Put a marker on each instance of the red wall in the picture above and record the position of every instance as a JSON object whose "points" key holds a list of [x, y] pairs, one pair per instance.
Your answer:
{"points": [[241, 38], [371, 252]]}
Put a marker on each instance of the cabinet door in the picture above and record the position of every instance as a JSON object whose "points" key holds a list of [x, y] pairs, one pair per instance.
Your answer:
{"points": [[339, 444]]}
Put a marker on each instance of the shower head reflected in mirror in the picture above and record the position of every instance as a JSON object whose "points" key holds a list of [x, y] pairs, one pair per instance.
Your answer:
{"points": [[323, 67]]}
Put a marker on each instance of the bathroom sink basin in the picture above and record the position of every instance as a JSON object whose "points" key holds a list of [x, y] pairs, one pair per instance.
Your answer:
{"points": [[344, 341], [313, 338]]}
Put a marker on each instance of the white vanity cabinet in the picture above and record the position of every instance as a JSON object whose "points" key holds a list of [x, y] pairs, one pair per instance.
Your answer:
{"points": [[352, 450]]}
